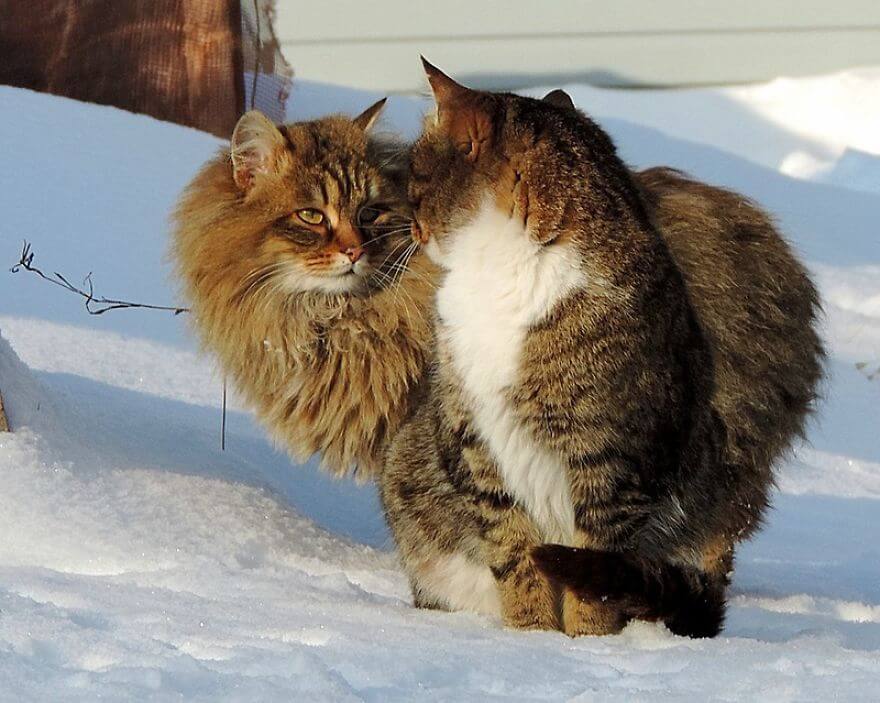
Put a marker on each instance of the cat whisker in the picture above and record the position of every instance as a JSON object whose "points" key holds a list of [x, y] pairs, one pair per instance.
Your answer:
{"points": [[403, 265], [392, 274], [395, 221], [388, 234], [258, 270], [394, 225], [397, 226], [260, 276], [269, 282], [381, 279], [426, 279], [390, 254], [393, 155], [399, 289], [274, 291], [377, 272], [400, 264], [399, 267], [391, 280]]}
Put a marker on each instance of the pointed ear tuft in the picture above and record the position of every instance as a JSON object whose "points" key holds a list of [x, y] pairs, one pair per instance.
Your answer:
{"points": [[255, 146], [443, 87], [369, 116], [559, 98]]}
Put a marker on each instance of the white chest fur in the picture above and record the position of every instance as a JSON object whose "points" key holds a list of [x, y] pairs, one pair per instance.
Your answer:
{"points": [[498, 284]]}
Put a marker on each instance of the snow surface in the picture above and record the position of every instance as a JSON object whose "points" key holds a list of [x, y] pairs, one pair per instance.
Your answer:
{"points": [[139, 562]]}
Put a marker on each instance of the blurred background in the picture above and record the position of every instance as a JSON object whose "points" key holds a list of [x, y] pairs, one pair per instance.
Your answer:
{"points": [[141, 559], [202, 62], [517, 43]]}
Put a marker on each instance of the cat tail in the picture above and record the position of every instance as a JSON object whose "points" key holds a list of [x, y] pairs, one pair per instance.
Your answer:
{"points": [[689, 602]]}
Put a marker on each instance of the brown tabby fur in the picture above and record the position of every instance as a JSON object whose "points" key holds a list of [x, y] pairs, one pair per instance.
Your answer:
{"points": [[325, 372], [669, 389]]}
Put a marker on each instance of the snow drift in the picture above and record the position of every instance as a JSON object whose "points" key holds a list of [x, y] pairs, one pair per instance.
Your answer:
{"points": [[138, 561]]}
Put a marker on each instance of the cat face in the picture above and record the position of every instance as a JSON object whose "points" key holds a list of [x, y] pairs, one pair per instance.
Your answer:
{"points": [[331, 213], [496, 150]]}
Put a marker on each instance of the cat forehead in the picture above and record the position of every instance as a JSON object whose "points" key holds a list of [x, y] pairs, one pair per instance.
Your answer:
{"points": [[329, 137], [334, 183], [499, 116]]}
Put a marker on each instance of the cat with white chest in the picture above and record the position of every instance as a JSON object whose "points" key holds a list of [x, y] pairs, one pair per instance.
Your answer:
{"points": [[622, 358]]}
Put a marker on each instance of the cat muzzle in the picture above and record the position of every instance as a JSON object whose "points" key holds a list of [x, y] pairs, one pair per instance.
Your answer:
{"points": [[361, 267], [418, 234], [354, 253]]}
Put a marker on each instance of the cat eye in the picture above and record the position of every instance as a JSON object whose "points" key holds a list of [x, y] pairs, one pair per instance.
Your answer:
{"points": [[466, 147], [369, 214], [302, 237], [310, 216]]}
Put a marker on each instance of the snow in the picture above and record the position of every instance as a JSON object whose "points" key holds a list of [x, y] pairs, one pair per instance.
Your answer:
{"points": [[139, 562]]}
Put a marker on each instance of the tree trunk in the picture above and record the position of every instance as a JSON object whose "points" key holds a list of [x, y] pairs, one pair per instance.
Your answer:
{"points": [[4, 423]]}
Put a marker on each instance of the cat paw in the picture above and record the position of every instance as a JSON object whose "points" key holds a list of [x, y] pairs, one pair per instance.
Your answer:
{"points": [[529, 601], [587, 617], [532, 616]]}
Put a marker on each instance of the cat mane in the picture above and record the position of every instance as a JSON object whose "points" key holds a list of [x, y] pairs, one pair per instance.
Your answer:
{"points": [[333, 374]]}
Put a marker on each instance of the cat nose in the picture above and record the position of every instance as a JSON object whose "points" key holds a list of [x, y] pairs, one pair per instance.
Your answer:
{"points": [[418, 234], [354, 253]]}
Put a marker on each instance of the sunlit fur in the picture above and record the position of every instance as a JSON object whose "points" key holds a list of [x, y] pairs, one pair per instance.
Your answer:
{"points": [[327, 354], [672, 365]]}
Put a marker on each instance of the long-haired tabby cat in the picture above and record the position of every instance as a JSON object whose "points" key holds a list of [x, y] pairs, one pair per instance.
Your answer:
{"points": [[293, 249], [621, 360]]}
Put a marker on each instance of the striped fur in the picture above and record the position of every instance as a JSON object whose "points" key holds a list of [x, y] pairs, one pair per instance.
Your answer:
{"points": [[329, 363], [667, 382]]}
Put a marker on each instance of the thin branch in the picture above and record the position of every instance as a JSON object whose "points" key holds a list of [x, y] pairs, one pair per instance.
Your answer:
{"points": [[94, 305], [223, 420], [870, 370]]}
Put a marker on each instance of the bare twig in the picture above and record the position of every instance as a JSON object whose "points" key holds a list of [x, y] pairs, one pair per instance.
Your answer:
{"points": [[94, 305], [258, 48], [223, 420], [869, 370]]}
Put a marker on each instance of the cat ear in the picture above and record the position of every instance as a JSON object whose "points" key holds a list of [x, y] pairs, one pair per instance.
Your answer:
{"points": [[559, 98], [465, 115], [369, 116], [444, 88], [255, 147]]}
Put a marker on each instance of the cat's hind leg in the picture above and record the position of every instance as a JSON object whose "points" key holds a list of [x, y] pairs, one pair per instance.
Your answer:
{"points": [[453, 581], [435, 523]]}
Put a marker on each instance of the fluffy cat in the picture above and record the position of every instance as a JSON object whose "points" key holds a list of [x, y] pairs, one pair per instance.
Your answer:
{"points": [[621, 360], [293, 252]]}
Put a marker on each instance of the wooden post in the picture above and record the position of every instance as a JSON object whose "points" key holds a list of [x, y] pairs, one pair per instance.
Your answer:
{"points": [[4, 423]]}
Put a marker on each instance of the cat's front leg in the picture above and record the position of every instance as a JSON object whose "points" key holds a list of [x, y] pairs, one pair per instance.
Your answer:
{"points": [[587, 617], [529, 601]]}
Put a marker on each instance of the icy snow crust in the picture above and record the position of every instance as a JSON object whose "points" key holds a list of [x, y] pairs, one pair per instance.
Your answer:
{"points": [[138, 562]]}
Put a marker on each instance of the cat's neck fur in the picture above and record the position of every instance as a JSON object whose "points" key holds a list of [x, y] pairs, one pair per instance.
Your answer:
{"points": [[488, 300], [324, 373]]}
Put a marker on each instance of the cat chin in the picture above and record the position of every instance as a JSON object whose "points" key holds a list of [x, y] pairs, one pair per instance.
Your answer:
{"points": [[330, 285], [432, 249]]}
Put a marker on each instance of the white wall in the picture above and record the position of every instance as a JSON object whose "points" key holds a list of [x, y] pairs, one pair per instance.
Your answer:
{"points": [[496, 43]]}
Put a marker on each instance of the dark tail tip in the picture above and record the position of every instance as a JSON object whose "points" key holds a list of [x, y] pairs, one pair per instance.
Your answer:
{"points": [[688, 602], [557, 563], [591, 574]]}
